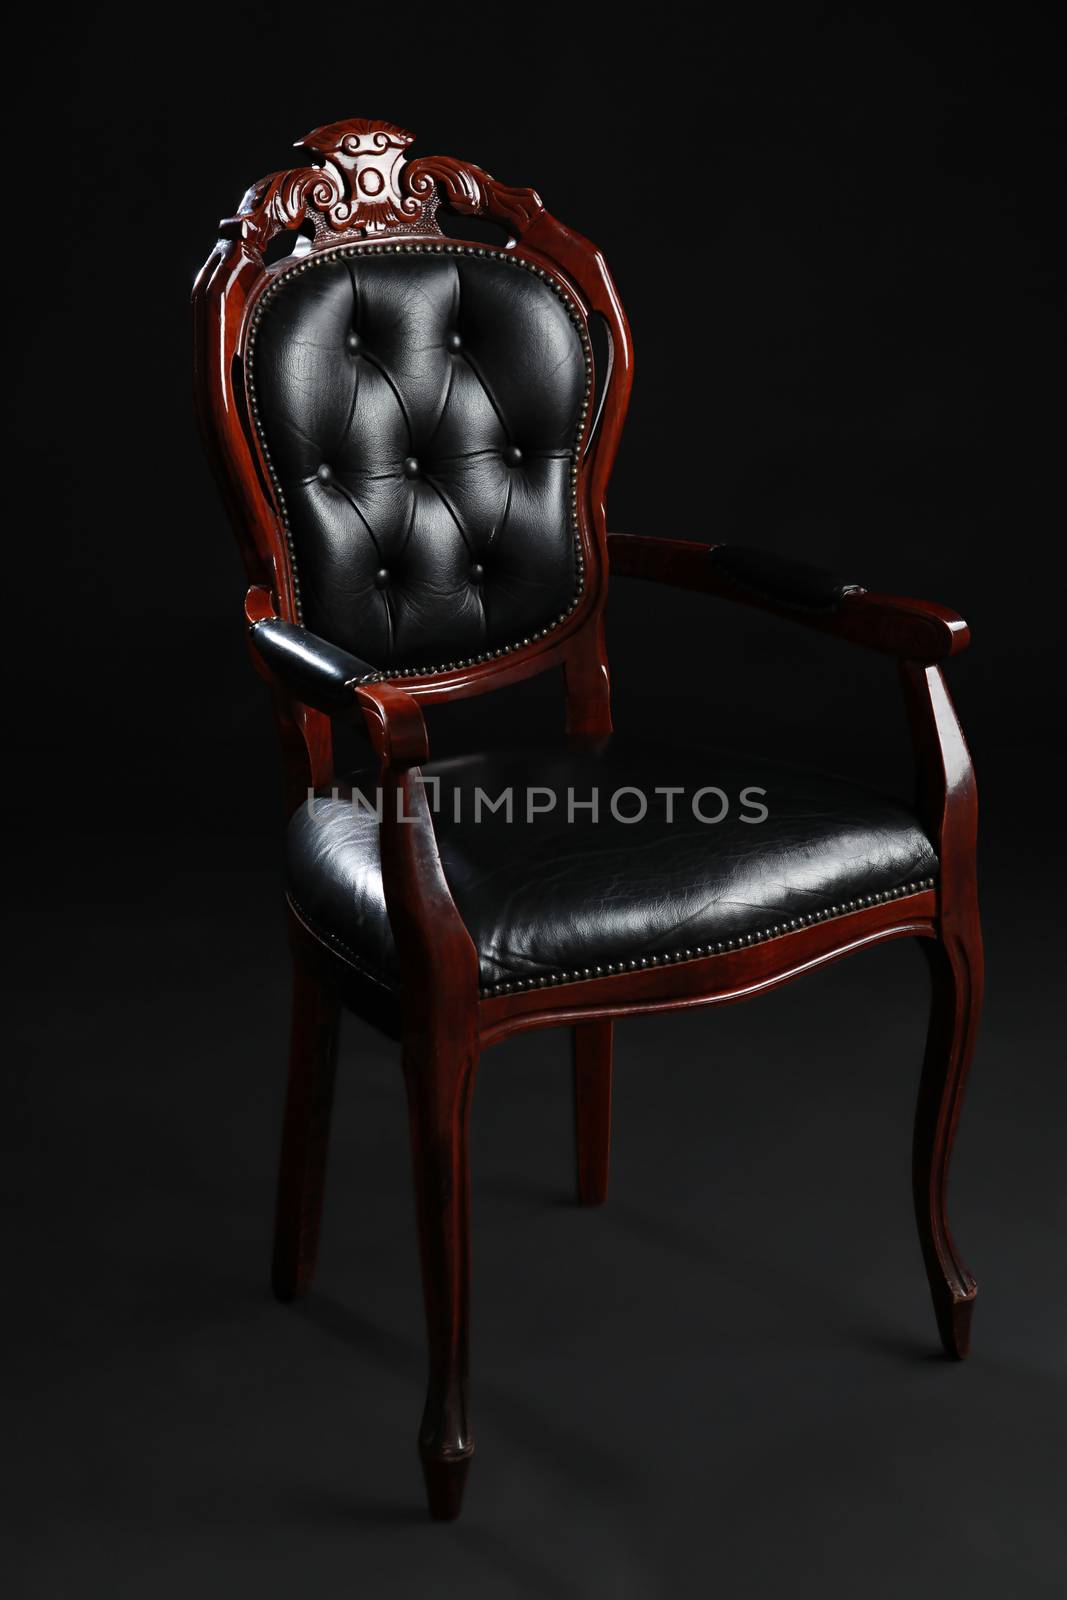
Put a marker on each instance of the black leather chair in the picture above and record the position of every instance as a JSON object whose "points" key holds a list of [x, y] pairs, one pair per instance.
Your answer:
{"points": [[415, 440]]}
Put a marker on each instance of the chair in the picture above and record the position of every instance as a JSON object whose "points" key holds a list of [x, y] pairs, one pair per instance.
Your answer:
{"points": [[414, 434]]}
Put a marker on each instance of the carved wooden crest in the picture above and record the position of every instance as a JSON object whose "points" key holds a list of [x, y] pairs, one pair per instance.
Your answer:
{"points": [[363, 187]]}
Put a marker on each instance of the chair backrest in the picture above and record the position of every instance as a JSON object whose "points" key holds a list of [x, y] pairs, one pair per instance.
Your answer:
{"points": [[410, 428], [421, 413]]}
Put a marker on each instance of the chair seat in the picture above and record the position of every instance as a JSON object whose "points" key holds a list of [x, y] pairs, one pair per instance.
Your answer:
{"points": [[544, 896]]}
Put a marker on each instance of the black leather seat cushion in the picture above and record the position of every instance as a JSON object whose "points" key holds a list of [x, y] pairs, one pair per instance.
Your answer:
{"points": [[547, 896]]}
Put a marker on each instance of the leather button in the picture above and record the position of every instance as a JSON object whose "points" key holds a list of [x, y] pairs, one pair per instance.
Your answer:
{"points": [[411, 467], [477, 572], [454, 342], [325, 474], [381, 577], [513, 455], [352, 343]]}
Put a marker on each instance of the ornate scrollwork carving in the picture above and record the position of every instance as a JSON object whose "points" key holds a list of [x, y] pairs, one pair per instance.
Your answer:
{"points": [[361, 185], [471, 191], [354, 189]]}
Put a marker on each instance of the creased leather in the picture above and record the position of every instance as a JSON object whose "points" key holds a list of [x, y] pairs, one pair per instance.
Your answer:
{"points": [[394, 392], [543, 896]]}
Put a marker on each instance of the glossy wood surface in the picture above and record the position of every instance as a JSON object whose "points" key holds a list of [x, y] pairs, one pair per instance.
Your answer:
{"points": [[593, 1071], [948, 800], [305, 1139]]}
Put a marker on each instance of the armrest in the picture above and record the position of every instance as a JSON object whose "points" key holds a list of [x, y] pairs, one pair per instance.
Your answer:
{"points": [[436, 950], [318, 673], [332, 680], [785, 582], [910, 630]]}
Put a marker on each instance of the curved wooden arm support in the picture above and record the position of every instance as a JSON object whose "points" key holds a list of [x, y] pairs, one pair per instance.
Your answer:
{"points": [[393, 718], [948, 803], [437, 954], [431, 937], [911, 630], [395, 725], [947, 798]]}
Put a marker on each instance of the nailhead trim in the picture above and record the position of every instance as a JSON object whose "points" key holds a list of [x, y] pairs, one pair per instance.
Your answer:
{"points": [[444, 248], [789, 925], [343, 950]]}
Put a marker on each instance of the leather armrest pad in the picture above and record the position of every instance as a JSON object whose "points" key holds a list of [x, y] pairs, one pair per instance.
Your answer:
{"points": [[317, 672], [779, 578]]}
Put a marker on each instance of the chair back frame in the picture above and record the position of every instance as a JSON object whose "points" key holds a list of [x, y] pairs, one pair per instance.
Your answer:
{"points": [[364, 196]]}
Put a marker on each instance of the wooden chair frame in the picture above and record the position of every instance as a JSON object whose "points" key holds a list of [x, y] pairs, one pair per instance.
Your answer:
{"points": [[362, 194]]}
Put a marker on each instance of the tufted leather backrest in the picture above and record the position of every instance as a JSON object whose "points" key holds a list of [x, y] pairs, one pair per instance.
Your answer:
{"points": [[420, 409]]}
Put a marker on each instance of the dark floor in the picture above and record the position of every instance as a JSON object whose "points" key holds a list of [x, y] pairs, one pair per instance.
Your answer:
{"points": [[726, 1381]]}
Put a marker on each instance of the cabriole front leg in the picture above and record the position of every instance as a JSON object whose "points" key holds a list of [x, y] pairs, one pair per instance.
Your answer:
{"points": [[440, 967], [956, 974], [439, 1085], [948, 801]]}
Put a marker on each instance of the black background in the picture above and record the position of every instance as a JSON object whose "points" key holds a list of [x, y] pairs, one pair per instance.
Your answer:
{"points": [[832, 233]]}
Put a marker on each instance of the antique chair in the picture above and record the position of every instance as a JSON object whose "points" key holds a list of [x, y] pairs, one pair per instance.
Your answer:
{"points": [[414, 435]]}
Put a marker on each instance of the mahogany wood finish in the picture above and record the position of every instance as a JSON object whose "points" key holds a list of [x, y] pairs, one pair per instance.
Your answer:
{"points": [[912, 630], [948, 797], [306, 1131], [360, 187], [592, 1108]]}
